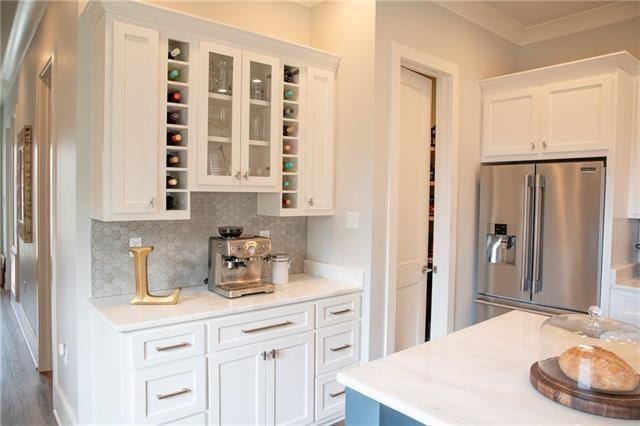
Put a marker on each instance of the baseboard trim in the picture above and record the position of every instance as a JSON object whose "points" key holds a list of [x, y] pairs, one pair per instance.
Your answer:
{"points": [[61, 408], [27, 332]]}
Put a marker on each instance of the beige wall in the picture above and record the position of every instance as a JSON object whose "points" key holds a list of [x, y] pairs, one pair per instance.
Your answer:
{"points": [[56, 35], [280, 19], [479, 54], [623, 35], [347, 29]]}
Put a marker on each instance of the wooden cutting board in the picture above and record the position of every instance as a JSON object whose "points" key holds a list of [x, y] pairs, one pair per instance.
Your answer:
{"points": [[566, 392]]}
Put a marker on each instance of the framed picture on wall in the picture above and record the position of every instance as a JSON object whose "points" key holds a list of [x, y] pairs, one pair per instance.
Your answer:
{"points": [[23, 185]]}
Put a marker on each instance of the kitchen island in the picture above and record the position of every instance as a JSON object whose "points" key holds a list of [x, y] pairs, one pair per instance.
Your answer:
{"points": [[476, 375]]}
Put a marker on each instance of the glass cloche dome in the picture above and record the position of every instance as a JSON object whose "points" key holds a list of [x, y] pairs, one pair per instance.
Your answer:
{"points": [[591, 352]]}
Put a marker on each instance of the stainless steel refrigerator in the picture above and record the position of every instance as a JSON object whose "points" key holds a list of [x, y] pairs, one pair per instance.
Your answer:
{"points": [[540, 237]]}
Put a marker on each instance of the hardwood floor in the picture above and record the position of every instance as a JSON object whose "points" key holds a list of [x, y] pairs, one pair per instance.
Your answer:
{"points": [[25, 394]]}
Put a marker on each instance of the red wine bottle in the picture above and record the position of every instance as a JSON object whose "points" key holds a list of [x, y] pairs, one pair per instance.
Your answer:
{"points": [[171, 182], [288, 130], [173, 138], [173, 160], [173, 117], [286, 202], [174, 97]]}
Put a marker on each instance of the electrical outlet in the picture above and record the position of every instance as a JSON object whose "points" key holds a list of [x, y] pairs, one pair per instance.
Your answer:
{"points": [[135, 242], [266, 233], [353, 220]]}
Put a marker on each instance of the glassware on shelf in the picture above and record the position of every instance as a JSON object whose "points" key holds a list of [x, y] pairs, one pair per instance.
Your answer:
{"points": [[219, 119], [257, 130], [257, 91], [221, 81], [217, 161]]}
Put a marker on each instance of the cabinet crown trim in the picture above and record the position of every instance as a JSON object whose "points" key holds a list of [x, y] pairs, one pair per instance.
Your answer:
{"points": [[95, 9]]}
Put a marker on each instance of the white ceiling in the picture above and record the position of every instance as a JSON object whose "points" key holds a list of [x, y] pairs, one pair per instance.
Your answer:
{"points": [[530, 13]]}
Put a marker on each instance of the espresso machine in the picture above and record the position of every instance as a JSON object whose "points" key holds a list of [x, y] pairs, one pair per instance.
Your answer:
{"points": [[237, 262]]}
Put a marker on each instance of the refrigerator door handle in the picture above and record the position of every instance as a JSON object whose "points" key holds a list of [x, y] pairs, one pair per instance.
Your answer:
{"points": [[537, 233], [525, 280]]}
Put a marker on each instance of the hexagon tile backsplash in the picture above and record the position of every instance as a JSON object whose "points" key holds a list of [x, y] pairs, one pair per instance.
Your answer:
{"points": [[180, 251]]}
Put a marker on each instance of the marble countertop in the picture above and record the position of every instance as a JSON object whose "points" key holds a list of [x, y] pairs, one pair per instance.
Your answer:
{"points": [[199, 303], [477, 375]]}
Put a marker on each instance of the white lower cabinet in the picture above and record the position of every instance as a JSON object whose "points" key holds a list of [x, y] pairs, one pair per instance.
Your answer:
{"points": [[273, 366]]}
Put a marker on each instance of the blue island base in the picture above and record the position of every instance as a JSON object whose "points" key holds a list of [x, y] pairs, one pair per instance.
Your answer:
{"points": [[362, 410]]}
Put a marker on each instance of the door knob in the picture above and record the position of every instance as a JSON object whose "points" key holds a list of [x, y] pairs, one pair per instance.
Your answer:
{"points": [[424, 269]]}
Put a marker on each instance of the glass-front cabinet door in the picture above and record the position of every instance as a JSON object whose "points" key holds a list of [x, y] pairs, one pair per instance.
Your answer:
{"points": [[219, 150], [260, 119]]}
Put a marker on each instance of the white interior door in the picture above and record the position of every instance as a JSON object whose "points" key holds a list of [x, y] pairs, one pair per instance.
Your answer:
{"points": [[413, 209]]}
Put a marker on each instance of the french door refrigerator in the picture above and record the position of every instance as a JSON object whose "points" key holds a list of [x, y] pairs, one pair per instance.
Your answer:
{"points": [[540, 237]]}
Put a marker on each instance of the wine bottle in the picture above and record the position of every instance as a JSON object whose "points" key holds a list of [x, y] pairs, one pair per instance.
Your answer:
{"points": [[288, 166], [288, 130], [173, 74], [286, 202], [173, 53], [173, 160], [173, 138], [173, 117], [289, 112], [288, 94], [286, 148], [290, 74], [171, 182], [174, 97], [170, 202], [286, 184]]}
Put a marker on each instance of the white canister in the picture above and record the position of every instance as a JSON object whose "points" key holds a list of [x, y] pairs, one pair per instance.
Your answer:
{"points": [[280, 265]]}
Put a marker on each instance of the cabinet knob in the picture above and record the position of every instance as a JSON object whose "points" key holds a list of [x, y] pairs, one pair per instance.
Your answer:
{"points": [[310, 201], [544, 144], [533, 146], [246, 176], [152, 202], [238, 175]]}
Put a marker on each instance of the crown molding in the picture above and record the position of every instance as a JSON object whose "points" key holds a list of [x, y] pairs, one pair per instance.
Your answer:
{"points": [[511, 30], [169, 18]]}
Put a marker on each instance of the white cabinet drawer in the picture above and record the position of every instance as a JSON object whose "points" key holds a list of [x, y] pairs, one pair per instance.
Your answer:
{"points": [[196, 419], [330, 396], [171, 391], [337, 346], [243, 329], [337, 310], [167, 344], [625, 306]]}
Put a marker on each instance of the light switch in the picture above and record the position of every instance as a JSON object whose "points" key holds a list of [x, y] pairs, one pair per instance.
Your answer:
{"points": [[353, 220]]}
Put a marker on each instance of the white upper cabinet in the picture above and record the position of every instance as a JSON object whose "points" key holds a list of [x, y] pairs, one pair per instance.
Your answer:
{"points": [[510, 123], [319, 157], [563, 111], [576, 115], [133, 148], [634, 182]]}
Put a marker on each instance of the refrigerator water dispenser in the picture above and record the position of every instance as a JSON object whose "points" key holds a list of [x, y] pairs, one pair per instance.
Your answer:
{"points": [[501, 248]]}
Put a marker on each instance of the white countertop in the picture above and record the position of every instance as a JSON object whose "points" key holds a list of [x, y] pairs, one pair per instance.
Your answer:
{"points": [[198, 303], [477, 375]]}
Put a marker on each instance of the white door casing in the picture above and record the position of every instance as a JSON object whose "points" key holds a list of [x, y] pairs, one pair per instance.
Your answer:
{"points": [[413, 208]]}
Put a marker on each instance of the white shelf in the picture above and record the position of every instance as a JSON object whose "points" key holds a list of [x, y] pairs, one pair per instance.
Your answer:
{"points": [[290, 173], [174, 190], [177, 83], [176, 169], [178, 62], [177, 105], [177, 148], [220, 96], [290, 155], [295, 120], [259, 143], [291, 84], [290, 138], [290, 102], [259, 102], [177, 126], [219, 139]]}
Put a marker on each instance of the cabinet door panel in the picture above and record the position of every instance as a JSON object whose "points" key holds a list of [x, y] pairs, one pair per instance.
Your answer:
{"points": [[576, 115], [261, 108], [290, 380], [319, 150], [135, 100], [218, 161], [237, 386], [634, 184], [510, 123]]}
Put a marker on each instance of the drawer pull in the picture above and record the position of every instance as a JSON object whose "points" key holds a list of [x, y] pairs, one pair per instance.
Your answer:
{"points": [[169, 347], [340, 348], [172, 394], [267, 327], [341, 311], [337, 394]]}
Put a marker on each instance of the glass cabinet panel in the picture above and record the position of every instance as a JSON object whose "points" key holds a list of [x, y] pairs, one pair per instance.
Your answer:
{"points": [[261, 118], [220, 155]]}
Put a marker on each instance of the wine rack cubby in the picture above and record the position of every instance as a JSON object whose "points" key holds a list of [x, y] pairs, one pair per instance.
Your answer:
{"points": [[291, 136], [177, 127]]}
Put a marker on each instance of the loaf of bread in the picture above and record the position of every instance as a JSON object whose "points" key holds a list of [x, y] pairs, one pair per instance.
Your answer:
{"points": [[597, 368]]}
